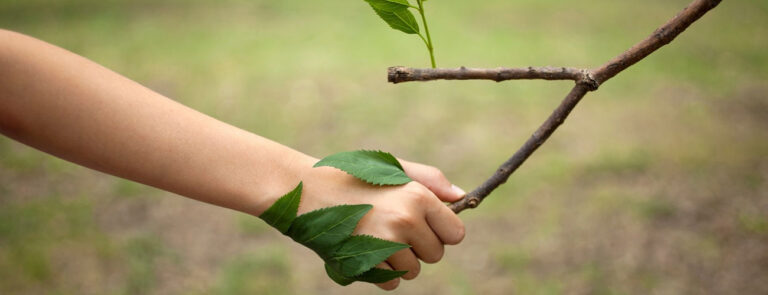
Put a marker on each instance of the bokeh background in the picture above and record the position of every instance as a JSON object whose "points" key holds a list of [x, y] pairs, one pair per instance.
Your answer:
{"points": [[657, 183]]}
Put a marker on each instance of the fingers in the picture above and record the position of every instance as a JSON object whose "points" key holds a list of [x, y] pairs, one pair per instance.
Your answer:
{"points": [[446, 224], [405, 260], [443, 222], [434, 180], [390, 285], [413, 214], [426, 245]]}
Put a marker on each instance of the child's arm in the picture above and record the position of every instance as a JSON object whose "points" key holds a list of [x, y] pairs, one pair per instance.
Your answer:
{"points": [[68, 106]]}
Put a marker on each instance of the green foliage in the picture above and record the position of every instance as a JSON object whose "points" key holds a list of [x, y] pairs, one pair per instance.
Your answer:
{"points": [[327, 227], [374, 275], [281, 214], [328, 232], [396, 14], [374, 167], [378, 275], [360, 253], [389, 5]]}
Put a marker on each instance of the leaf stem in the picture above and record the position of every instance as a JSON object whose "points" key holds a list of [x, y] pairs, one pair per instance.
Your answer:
{"points": [[429, 38], [426, 43]]}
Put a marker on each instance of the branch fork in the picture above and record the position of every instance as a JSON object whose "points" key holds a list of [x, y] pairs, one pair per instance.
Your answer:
{"points": [[586, 81]]}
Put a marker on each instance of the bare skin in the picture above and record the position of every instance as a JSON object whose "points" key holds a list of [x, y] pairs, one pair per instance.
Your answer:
{"points": [[75, 109]]}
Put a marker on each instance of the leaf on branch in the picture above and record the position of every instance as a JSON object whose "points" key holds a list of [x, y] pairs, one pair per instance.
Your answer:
{"points": [[282, 213], [396, 14], [389, 5], [361, 253], [374, 167]]}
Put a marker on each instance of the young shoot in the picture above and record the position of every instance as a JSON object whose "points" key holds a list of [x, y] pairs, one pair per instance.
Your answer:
{"points": [[397, 15]]}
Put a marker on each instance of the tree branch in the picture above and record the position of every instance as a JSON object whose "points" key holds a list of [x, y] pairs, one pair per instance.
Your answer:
{"points": [[662, 36], [585, 81], [405, 74], [472, 199]]}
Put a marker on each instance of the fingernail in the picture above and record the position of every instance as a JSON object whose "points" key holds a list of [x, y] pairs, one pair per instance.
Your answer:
{"points": [[458, 190]]}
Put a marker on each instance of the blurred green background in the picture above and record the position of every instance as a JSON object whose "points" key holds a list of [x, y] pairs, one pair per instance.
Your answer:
{"points": [[657, 183]]}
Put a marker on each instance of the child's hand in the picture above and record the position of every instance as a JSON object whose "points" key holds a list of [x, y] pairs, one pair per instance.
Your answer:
{"points": [[413, 213], [49, 100]]}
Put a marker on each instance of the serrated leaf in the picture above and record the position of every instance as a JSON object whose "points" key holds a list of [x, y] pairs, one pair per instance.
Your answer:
{"points": [[374, 167], [374, 275], [389, 5], [399, 19], [328, 231], [361, 253], [322, 230], [337, 277], [378, 275], [282, 213]]}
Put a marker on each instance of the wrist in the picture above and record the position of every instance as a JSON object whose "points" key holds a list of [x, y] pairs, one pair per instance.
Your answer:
{"points": [[288, 170]]}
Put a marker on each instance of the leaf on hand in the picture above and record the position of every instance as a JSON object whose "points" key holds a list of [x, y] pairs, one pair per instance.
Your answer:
{"points": [[378, 275], [337, 277], [328, 231], [396, 14], [361, 253], [374, 275], [282, 213], [324, 229], [374, 167]]}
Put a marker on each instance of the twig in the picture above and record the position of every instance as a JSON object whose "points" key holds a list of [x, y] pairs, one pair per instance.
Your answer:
{"points": [[586, 81], [405, 74]]}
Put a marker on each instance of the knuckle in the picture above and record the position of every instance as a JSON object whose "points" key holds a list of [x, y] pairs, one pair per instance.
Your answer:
{"points": [[415, 193], [403, 220], [434, 177], [434, 256], [432, 171], [415, 188], [436, 173]]}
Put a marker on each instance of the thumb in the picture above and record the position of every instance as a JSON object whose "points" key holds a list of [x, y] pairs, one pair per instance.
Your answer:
{"points": [[434, 180]]}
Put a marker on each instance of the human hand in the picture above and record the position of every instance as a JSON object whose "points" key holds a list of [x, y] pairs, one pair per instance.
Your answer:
{"points": [[413, 213]]}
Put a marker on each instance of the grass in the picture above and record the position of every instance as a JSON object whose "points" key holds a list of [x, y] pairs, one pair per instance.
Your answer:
{"points": [[142, 254], [656, 183], [264, 272]]}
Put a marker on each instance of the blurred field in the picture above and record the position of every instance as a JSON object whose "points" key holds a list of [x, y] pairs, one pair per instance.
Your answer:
{"points": [[657, 183]]}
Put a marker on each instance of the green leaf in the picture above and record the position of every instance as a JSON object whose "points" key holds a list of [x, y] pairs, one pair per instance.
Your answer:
{"points": [[328, 231], [374, 275], [378, 275], [399, 19], [374, 167], [361, 253], [324, 229], [389, 5], [337, 277], [282, 213]]}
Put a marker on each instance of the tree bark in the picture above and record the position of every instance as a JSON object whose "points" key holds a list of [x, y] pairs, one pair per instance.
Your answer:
{"points": [[586, 81]]}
